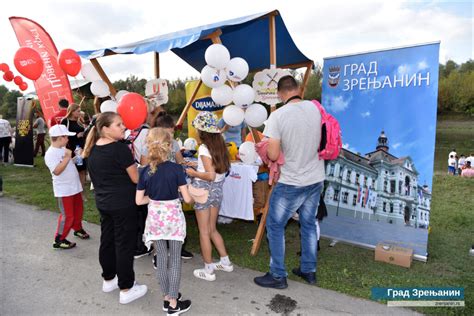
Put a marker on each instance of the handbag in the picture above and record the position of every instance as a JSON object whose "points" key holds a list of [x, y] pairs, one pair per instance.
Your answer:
{"points": [[199, 195]]}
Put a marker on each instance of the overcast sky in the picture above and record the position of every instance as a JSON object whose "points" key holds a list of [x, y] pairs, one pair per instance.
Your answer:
{"points": [[318, 29]]}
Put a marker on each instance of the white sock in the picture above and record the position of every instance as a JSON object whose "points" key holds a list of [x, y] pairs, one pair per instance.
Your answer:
{"points": [[225, 261], [209, 268]]}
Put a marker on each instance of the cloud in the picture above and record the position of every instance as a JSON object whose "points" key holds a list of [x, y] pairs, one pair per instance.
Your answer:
{"points": [[422, 65], [349, 147], [396, 145], [338, 104], [365, 114], [403, 69]]}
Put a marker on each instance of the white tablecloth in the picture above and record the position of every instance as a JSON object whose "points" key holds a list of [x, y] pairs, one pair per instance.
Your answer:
{"points": [[238, 199]]}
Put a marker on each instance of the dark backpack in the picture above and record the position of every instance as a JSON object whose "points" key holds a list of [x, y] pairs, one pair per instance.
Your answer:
{"points": [[331, 139]]}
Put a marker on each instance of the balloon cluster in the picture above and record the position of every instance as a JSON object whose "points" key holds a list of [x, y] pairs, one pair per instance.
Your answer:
{"points": [[220, 68], [9, 76]]}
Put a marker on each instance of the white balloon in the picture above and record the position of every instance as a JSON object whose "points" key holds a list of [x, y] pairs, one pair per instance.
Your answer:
{"points": [[255, 115], [244, 95], [217, 56], [108, 106], [100, 89], [120, 94], [213, 77], [247, 153], [222, 95], [89, 73], [233, 115], [237, 69], [190, 144]]}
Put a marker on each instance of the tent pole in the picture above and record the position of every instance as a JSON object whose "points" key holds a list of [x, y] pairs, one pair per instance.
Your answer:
{"points": [[271, 25], [306, 78], [96, 105], [188, 105], [156, 61], [103, 75]]}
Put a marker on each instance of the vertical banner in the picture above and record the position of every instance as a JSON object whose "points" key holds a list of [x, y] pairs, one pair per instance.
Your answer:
{"points": [[53, 85], [23, 151], [379, 188], [203, 102]]}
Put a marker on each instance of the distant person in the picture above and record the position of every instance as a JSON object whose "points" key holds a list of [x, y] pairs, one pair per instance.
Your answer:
{"points": [[234, 134], [5, 138], [461, 164], [56, 118], [73, 124], [40, 127], [468, 172], [470, 159], [299, 186], [66, 187], [158, 187], [114, 175], [451, 165]]}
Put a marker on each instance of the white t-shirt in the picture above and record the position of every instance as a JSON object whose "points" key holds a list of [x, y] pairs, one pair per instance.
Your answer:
{"points": [[139, 144], [40, 128], [5, 128], [298, 127], [451, 162], [67, 183], [203, 151], [237, 192], [471, 159]]}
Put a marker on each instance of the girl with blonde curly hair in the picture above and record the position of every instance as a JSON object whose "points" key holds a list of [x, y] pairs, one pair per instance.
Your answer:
{"points": [[158, 186]]}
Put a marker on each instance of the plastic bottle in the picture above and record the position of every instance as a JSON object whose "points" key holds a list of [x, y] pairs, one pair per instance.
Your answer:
{"points": [[78, 157]]}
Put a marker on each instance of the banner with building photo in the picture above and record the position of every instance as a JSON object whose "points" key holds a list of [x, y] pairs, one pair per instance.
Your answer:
{"points": [[23, 151], [379, 188]]}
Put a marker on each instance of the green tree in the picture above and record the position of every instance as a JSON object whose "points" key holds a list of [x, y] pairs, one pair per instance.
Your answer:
{"points": [[9, 104], [131, 84], [314, 86]]}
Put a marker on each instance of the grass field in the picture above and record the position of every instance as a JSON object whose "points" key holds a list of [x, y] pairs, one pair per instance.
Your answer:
{"points": [[343, 268]]}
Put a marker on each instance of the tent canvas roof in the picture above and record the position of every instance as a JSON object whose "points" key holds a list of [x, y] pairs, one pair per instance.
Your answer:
{"points": [[247, 37]]}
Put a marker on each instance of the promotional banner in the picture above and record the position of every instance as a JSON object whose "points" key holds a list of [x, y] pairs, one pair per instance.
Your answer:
{"points": [[203, 102], [379, 188], [53, 85], [23, 151]]}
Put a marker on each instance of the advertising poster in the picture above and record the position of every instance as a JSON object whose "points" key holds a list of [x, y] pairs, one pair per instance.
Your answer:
{"points": [[23, 151], [379, 188]]}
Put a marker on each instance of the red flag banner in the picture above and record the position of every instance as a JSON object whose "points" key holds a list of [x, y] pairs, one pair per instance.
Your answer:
{"points": [[53, 84]]}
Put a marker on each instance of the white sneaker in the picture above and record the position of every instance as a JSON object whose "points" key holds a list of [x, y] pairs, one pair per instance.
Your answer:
{"points": [[202, 274], [132, 294], [109, 286], [222, 267]]}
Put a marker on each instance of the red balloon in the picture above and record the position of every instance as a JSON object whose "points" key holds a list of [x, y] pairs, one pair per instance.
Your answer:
{"points": [[70, 62], [8, 76], [4, 67], [18, 80], [23, 86], [133, 110], [29, 63]]}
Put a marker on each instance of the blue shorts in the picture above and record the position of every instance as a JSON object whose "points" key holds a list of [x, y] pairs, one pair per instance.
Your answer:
{"points": [[451, 169]]}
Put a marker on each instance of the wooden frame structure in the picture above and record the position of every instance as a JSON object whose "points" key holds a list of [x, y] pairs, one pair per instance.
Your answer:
{"points": [[214, 37]]}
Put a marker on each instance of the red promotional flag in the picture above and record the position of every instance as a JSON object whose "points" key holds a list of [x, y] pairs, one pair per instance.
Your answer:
{"points": [[53, 84]]}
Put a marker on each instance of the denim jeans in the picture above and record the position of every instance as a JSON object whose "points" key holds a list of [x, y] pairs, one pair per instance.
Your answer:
{"points": [[286, 200]]}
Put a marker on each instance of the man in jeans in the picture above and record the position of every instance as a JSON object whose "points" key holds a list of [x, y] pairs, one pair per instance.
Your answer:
{"points": [[295, 131]]}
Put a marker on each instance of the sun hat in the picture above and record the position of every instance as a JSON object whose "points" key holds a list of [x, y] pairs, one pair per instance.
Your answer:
{"points": [[207, 122], [60, 130]]}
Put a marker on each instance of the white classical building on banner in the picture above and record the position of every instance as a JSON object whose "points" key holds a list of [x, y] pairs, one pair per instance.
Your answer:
{"points": [[377, 186]]}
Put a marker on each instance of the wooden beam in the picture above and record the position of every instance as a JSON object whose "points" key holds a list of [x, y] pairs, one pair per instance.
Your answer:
{"points": [[306, 78], [188, 105], [103, 75], [261, 227], [156, 60], [214, 34], [272, 32]]}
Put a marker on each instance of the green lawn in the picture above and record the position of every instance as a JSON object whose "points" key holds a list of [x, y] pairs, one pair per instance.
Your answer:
{"points": [[343, 268]]}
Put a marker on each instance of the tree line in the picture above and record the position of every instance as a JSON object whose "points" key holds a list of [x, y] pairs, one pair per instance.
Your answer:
{"points": [[455, 91]]}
